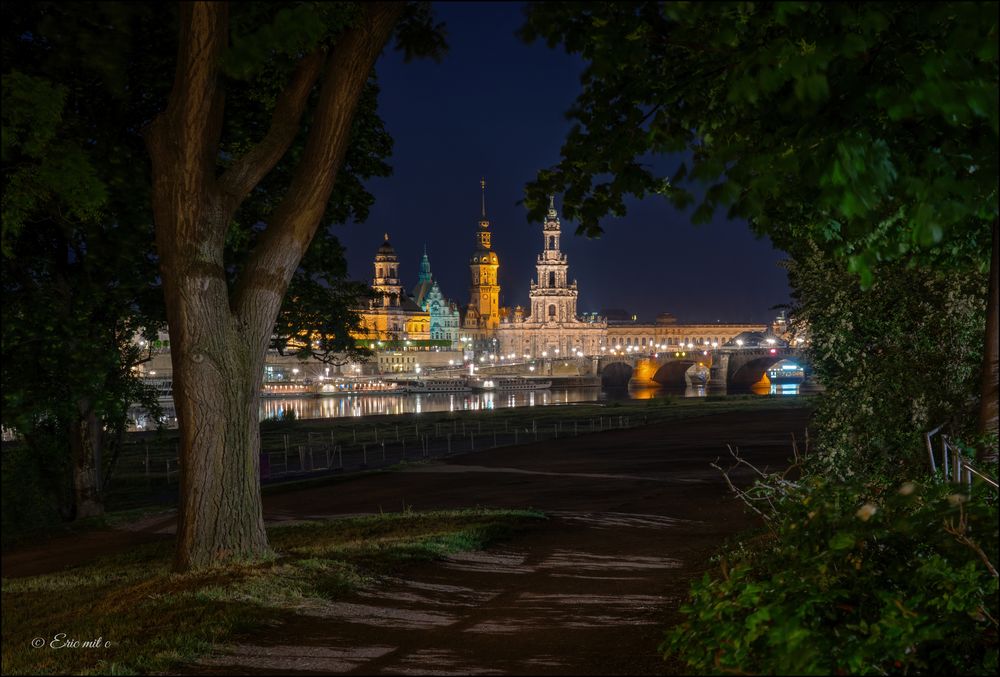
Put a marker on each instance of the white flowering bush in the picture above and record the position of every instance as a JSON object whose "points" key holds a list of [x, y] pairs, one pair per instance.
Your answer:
{"points": [[896, 359]]}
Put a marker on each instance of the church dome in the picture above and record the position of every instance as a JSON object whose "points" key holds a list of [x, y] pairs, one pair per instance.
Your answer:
{"points": [[481, 256], [386, 249]]}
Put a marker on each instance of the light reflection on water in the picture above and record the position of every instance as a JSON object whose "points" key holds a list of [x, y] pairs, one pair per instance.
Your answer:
{"points": [[341, 406]]}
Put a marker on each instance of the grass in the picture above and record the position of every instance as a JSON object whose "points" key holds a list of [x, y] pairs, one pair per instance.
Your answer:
{"points": [[155, 618]]}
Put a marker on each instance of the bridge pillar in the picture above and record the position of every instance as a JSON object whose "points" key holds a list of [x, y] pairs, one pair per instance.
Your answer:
{"points": [[718, 374]]}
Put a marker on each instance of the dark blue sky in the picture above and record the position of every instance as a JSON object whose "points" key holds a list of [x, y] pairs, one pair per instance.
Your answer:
{"points": [[495, 107]]}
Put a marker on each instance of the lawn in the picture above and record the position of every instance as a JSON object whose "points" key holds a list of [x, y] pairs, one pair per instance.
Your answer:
{"points": [[148, 618]]}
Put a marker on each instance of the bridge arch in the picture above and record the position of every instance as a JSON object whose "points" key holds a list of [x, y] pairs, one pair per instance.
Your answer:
{"points": [[673, 373], [751, 371], [616, 375]]}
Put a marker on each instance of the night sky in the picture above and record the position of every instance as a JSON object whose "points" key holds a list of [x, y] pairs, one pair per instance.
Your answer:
{"points": [[495, 107]]}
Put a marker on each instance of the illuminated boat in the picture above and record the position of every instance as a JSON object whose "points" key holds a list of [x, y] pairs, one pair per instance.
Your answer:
{"points": [[438, 385], [511, 383], [786, 373]]}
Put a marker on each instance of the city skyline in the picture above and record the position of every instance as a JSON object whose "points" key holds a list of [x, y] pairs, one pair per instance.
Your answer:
{"points": [[506, 124]]}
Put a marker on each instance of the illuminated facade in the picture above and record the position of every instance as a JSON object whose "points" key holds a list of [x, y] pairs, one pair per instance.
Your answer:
{"points": [[482, 316], [392, 315], [445, 318], [552, 325]]}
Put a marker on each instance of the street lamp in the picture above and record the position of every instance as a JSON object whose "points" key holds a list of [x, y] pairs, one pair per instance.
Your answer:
{"points": [[739, 342]]}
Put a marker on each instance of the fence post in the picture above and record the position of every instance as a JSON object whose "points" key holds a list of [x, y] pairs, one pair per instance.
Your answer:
{"points": [[449, 443], [515, 436], [494, 439], [285, 436], [340, 455], [364, 455]]}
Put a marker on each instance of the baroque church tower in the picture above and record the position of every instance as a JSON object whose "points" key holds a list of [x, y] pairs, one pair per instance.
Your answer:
{"points": [[553, 297], [386, 281], [483, 314]]}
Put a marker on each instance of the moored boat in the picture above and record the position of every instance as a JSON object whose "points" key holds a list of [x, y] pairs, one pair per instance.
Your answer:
{"points": [[511, 383], [438, 385]]}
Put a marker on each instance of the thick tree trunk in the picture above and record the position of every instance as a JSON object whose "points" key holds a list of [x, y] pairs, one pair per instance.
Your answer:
{"points": [[218, 339], [85, 436], [217, 375], [988, 390]]}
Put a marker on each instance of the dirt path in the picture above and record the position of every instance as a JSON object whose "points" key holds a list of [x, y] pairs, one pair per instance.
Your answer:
{"points": [[634, 515]]}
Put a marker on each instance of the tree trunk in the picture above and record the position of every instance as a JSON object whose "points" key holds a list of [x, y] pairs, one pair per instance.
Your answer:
{"points": [[85, 437], [217, 376], [218, 338], [988, 390]]}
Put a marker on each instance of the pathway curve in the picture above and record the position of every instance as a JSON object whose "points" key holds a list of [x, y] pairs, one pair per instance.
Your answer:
{"points": [[634, 515]]}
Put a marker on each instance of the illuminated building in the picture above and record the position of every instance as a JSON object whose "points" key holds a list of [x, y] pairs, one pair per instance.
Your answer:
{"points": [[482, 316], [552, 325]]}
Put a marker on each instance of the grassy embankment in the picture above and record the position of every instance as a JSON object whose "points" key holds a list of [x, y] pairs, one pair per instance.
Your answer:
{"points": [[155, 618]]}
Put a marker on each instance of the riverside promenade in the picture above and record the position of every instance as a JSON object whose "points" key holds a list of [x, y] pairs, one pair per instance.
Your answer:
{"points": [[633, 516]]}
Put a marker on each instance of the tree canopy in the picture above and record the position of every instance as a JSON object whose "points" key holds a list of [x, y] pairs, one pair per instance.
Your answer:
{"points": [[871, 128]]}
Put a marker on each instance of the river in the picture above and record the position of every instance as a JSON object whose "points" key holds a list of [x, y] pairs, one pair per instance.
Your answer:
{"points": [[373, 405]]}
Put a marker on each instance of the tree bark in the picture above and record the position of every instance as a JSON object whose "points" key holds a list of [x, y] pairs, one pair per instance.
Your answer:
{"points": [[988, 391], [85, 437], [218, 340]]}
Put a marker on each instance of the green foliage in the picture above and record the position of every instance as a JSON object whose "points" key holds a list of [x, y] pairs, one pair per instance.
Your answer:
{"points": [[856, 579], [897, 360], [870, 129], [34, 481]]}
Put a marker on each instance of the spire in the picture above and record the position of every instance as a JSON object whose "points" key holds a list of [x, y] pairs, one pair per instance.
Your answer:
{"points": [[552, 207], [482, 185], [425, 268], [387, 237]]}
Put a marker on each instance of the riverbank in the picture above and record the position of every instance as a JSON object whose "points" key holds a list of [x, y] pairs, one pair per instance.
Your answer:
{"points": [[634, 514]]}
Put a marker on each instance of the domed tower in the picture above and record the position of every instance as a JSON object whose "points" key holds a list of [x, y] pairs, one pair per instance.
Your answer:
{"points": [[386, 281], [483, 314]]}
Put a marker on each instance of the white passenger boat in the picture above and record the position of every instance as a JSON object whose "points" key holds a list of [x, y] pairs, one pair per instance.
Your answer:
{"points": [[438, 385], [511, 383]]}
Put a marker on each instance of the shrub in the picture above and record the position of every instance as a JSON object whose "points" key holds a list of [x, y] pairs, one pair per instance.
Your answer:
{"points": [[853, 579]]}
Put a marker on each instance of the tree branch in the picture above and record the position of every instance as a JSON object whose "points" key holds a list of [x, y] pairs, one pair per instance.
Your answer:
{"points": [[281, 246], [245, 173]]}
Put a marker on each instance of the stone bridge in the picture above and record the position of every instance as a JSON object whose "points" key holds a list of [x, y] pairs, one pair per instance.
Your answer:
{"points": [[728, 367]]}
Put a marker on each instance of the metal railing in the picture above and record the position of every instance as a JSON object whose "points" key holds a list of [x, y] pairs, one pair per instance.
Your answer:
{"points": [[148, 469], [954, 467]]}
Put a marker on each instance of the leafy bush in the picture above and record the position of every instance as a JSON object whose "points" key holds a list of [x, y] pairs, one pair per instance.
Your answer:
{"points": [[852, 579], [896, 359], [35, 490]]}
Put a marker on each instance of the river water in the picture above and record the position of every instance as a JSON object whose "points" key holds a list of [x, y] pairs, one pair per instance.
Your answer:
{"points": [[373, 405]]}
